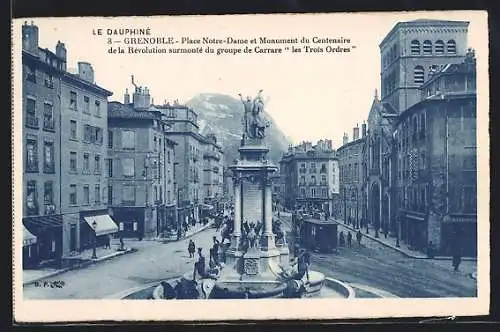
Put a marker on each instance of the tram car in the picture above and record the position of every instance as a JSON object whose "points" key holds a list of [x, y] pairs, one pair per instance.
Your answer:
{"points": [[318, 235]]}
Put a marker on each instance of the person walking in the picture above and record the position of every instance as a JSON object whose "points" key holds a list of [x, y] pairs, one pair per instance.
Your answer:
{"points": [[349, 239], [341, 239], [191, 248], [358, 237], [456, 261], [215, 250], [108, 242], [199, 266]]}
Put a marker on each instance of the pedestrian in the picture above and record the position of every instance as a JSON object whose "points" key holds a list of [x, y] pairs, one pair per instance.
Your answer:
{"points": [[431, 250], [341, 239], [456, 261], [199, 266], [108, 242], [349, 239], [385, 232], [358, 237], [215, 250], [191, 248], [122, 244]]}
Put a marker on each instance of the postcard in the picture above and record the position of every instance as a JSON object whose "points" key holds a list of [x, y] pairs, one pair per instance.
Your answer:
{"points": [[250, 167]]}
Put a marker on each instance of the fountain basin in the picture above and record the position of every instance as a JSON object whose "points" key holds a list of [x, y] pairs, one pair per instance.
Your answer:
{"points": [[255, 290]]}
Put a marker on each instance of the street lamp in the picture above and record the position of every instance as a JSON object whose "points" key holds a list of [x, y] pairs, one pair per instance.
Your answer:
{"points": [[94, 227]]}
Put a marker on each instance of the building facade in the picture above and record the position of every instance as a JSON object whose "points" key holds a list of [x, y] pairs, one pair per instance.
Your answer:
{"points": [[65, 121], [350, 155], [140, 167], [213, 167], [436, 162], [199, 162], [83, 151], [311, 176], [42, 219]]}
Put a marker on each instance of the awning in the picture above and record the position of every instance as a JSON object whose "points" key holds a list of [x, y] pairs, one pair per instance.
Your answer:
{"points": [[103, 224], [28, 238]]}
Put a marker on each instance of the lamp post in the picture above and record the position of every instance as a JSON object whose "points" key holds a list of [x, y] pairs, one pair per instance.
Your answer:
{"points": [[94, 227]]}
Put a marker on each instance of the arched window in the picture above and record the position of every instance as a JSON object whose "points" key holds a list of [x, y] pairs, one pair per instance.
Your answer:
{"points": [[418, 75], [415, 47], [439, 47], [427, 47], [451, 46]]}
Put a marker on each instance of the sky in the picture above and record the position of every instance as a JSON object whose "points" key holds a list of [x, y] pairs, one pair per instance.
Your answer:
{"points": [[310, 96]]}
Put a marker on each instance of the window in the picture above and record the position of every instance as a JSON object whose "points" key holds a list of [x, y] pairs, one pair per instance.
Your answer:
{"points": [[86, 163], [109, 167], [31, 155], [427, 47], [86, 104], [31, 198], [73, 104], [110, 139], [48, 117], [49, 81], [323, 180], [97, 164], [323, 192], [302, 180], [415, 47], [128, 165], [128, 139], [72, 162], [48, 158], [30, 74], [323, 168], [313, 168], [155, 144], [110, 195], [168, 157], [86, 195], [31, 118], [439, 47], [72, 194], [48, 197], [418, 75], [92, 134], [313, 192], [302, 192], [97, 194], [128, 194], [451, 46], [97, 105], [72, 129]]}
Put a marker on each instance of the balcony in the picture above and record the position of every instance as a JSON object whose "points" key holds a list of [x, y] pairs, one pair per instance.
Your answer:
{"points": [[49, 168], [32, 209], [32, 122], [50, 209], [49, 124]]}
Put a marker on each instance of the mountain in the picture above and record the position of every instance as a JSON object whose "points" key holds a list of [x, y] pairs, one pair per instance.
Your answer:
{"points": [[222, 115]]}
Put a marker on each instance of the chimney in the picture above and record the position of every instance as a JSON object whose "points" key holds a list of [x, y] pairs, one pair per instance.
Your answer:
{"points": [[355, 133], [61, 53], [345, 139], [329, 144], [147, 98], [363, 129], [126, 97], [30, 38], [86, 72]]}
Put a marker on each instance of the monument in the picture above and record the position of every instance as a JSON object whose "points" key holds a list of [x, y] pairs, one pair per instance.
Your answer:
{"points": [[252, 267]]}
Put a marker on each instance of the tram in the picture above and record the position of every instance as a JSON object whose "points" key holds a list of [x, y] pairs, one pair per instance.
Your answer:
{"points": [[315, 234]]}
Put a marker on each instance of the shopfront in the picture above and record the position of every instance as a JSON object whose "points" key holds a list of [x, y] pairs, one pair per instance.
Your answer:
{"points": [[130, 221], [96, 227], [30, 249], [48, 233]]}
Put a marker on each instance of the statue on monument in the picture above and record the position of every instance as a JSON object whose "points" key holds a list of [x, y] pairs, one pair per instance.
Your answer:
{"points": [[254, 121], [251, 234]]}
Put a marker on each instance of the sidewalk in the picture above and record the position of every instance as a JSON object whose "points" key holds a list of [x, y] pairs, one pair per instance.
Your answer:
{"points": [[191, 231], [81, 260], [390, 242]]}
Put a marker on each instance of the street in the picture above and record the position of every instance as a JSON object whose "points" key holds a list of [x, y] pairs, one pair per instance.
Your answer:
{"points": [[383, 268], [369, 267], [153, 261]]}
